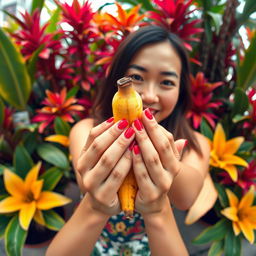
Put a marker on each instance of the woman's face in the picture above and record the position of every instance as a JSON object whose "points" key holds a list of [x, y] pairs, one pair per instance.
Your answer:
{"points": [[156, 71]]}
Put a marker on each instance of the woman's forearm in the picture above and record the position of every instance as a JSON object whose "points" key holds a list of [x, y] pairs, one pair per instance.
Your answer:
{"points": [[163, 234], [80, 233], [186, 187]]}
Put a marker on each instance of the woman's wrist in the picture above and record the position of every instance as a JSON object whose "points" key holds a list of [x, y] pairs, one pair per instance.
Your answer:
{"points": [[87, 205]]}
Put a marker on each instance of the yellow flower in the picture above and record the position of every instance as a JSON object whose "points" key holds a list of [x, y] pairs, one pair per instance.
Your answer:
{"points": [[242, 213], [61, 139], [222, 152], [27, 197]]}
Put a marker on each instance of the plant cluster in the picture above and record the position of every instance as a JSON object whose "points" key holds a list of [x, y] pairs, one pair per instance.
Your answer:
{"points": [[48, 77]]}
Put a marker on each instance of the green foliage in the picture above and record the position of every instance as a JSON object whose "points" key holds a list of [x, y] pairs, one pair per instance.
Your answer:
{"points": [[53, 220], [246, 73], [15, 85], [51, 178], [14, 237], [53, 155], [214, 233]]}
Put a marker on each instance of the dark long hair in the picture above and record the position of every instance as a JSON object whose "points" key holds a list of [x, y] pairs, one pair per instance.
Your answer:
{"points": [[176, 123]]}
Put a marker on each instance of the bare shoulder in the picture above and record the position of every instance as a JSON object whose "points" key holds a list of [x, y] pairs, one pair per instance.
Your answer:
{"points": [[202, 141], [199, 161], [84, 125]]}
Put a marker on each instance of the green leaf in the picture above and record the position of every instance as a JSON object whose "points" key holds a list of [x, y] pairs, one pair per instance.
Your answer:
{"points": [[1, 112], [53, 220], [53, 22], [61, 127], [37, 4], [51, 178], [249, 8], [206, 129], [32, 64], [241, 102], [4, 220], [15, 237], [246, 73], [15, 84], [246, 146], [72, 92], [232, 244], [22, 161], [217, 20], [222, 195], [53, 155], [216, 248], [213, 233]]}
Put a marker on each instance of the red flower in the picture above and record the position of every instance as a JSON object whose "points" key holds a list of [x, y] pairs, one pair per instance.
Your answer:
{"points": [[246, 178], [202, 100], [32, 36], [174, 16], [251, 124], [57, 104]]}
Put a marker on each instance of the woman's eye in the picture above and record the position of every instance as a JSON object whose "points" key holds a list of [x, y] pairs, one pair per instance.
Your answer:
{"points": [[168, 83], [136, 77]]}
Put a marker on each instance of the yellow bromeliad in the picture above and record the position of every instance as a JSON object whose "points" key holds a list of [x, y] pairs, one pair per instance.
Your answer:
{"points": [[222, 152], [27, 197], [242, 213], [58, 138]]}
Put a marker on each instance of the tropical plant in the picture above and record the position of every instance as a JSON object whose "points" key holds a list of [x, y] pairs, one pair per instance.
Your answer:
{"points": [[49, 71]]}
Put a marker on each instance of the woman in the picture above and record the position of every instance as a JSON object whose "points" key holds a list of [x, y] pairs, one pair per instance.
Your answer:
{"points": [[157, 62]]}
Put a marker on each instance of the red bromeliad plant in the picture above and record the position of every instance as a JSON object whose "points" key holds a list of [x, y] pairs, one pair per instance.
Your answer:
{"points": [[57, 105], [202, 102], [67, 58], [174, 15]]}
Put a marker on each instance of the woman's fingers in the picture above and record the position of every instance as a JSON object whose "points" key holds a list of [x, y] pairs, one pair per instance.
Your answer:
{"points": [[108, 159], [150, 156], [98, 130], [162, 140], [143, 179], [99, 145], [118, 174]]}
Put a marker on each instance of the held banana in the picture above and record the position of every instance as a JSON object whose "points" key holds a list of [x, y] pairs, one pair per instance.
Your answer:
{"points": [[127, 104]]}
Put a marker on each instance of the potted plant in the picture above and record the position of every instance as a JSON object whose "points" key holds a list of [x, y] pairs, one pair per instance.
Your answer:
{"points": [[48, 74]]}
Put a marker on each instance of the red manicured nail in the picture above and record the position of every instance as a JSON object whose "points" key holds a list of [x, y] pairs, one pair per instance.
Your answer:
{"points": [[128, 133], [138, 124], [122, 124], [110, 120], [132, 145], [185, 143], [148, 114], [136, 149]]}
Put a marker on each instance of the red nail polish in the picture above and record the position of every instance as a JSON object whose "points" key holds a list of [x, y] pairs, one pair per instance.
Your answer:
{"points": [[128, 133], [110, 120], [136, 149], [132, 145], [122, 124], [185, 143], [138, 124], [148, 114]]}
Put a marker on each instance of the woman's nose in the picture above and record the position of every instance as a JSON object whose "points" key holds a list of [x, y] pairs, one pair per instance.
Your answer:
{"points": [[149, 95]]}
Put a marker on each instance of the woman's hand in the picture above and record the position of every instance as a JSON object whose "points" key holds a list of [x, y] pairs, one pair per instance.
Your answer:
{"points": [[155, 163], [105, 162]]}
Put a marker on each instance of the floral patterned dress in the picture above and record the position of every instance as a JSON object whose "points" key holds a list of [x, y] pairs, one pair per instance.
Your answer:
{"points": [[123, 237]]}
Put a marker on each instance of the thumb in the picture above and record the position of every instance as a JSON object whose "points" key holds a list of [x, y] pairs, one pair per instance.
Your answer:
{"points": [[180, 145]]}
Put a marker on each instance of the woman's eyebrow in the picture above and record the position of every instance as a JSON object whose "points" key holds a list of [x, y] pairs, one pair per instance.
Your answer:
{"points": [[165, 73], [169, 73], [138, 67]]}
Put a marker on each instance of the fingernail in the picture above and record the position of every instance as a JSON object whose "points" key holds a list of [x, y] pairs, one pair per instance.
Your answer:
{"points": [[148, 114], [185, 143], [138, 124], [132, 145], [128, 133], [136, 149], [110, 120], [122, 124]]}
